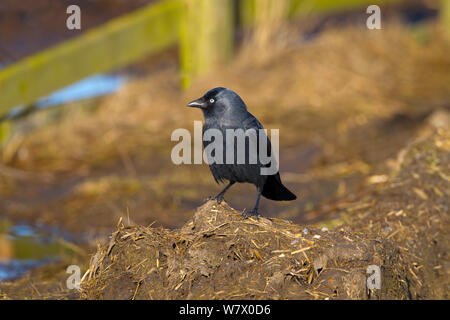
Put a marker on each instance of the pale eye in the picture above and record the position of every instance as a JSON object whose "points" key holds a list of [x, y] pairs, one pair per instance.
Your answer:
{"points": [[211, 100]]}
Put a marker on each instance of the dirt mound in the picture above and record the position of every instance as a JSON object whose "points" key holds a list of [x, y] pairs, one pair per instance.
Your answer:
{"points": [[218, 254], [401, 228]]}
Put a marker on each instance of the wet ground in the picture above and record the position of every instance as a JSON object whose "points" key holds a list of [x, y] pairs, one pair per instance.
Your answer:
{"points": [[85, 166], [400, 227], [24, 247]]}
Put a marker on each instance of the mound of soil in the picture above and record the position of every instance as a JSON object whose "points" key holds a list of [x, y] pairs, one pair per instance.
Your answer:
{"points": [[401, 227]]}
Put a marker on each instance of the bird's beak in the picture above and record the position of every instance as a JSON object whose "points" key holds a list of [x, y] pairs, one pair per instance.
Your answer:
{"points": [[199, 103]]}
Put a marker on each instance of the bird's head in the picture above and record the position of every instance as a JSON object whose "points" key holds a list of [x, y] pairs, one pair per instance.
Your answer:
{"points": [[219, 101]]}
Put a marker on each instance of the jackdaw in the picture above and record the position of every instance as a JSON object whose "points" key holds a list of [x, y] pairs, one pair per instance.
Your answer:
{"points": [[223, 109]]}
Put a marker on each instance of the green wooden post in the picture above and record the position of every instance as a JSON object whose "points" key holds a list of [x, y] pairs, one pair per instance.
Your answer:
{"points": [[247, 12], [5, 132], [445, 15], [263, 11], [113, 45], [206, 36]]}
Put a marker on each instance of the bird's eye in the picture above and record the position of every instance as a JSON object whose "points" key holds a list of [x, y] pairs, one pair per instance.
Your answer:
{"points": [[211, 100]]}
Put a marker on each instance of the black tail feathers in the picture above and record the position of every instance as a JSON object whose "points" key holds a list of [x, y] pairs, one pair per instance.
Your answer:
{"points": [[275, 190]]}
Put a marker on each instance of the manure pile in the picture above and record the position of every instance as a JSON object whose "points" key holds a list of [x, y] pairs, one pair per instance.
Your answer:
{"points": [[402, 228]]}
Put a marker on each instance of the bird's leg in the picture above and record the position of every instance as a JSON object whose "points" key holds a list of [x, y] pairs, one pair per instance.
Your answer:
{"points": [[253, 212], [219, 196]]}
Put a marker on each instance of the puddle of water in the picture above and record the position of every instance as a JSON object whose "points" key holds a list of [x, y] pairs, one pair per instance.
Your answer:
{"points": [[93, 86], [90, 87], [23, 248]]}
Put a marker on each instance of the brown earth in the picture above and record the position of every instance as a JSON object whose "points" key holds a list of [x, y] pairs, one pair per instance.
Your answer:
{"points": [[402, 228], [340, 123], [346, 102]]}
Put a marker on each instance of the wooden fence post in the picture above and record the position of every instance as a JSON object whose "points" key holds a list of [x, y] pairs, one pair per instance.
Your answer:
{"points": [[5, 132], [112, 45], [257, 12], [206, 36], [445, 15]]}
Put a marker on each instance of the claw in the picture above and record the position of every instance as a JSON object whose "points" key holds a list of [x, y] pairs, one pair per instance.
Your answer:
{"points": [[219, 199], [247, 214]]}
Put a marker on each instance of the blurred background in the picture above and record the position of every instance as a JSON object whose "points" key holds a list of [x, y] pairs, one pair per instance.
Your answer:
{"points": [[86, 115]]}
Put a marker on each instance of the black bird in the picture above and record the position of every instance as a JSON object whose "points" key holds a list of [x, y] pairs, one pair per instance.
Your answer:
{"points": [[223, 109]]}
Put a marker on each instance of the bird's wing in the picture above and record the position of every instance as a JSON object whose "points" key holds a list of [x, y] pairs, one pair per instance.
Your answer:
{"points": [[252, 123]]}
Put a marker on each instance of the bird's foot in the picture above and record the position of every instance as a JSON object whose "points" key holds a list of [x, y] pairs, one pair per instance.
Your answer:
{"points": [[251, 213], [218, 198]]}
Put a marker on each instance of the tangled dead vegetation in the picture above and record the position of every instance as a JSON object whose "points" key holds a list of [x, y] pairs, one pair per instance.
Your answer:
{"points": [[344, 112], [402, 228], [220, 255]]}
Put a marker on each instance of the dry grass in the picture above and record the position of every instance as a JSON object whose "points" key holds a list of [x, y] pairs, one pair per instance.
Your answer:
{"points": [[220, 255], [345, 103], [307, 87]]}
